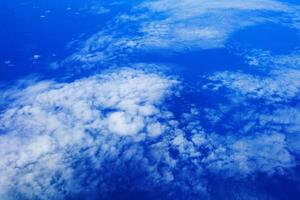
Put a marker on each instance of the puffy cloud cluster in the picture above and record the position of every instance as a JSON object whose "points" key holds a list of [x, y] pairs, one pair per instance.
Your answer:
{"points": [[127, 99], [112, 135], [248, 154], [279, 85], [50, 123], [237, 146], [261, 108]]}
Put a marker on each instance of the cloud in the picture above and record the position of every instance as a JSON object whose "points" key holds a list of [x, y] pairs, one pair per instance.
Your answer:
{"points": [[114, 132], [121, 124], [260, 109], [279, 85], [247, 154], [234, 150], [49, 123], [266, 61], [177, 26], [204, 24]]}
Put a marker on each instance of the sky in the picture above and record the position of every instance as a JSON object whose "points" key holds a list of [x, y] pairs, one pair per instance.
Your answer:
{"points": [[149, 99]]}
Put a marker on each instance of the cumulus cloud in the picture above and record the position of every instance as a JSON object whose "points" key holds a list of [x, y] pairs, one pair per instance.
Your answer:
{"points": [[49, 120], [260, 108], [238, 151], [279, 85], [247, 154], [113, 133]]}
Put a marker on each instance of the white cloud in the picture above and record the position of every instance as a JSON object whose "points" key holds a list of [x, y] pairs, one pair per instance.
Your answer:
{"points": [[239, 152], [193, 8], [248, 154], [204, 24], [49, 123], [65, 139], [119, 123], [278, 85], [262, 110], [266, 61], [178, 25], [155, 129]]}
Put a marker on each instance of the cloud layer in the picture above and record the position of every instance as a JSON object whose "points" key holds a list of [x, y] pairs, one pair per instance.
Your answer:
{"points": [[130, 133], [260, 105], [178, 26], [50, 123], [113, 134]]}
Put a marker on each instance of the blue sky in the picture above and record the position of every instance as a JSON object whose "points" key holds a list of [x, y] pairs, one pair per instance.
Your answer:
{"points": [[154, 99]]}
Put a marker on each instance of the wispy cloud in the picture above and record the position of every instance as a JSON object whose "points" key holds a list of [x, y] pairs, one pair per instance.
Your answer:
{"points": [[178, 26]]}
